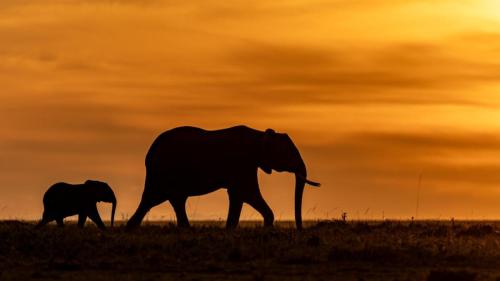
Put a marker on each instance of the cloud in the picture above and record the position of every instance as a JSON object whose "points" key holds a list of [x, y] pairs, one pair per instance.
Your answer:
{"points": [[431, 140], [451, 161], [394, 73]]}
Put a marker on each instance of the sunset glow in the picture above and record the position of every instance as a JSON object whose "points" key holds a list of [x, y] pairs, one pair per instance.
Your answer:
{"points": [[374, 94]]}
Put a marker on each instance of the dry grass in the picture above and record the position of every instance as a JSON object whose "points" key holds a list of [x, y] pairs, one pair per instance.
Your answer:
{"points": [[329, 250]]}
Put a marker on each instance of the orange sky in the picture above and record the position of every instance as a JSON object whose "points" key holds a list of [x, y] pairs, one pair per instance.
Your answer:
{"points": [[373, 93]]}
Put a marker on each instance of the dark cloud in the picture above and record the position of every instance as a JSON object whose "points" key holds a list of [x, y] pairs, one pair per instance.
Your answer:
{"points": [[217, 11], [430, 140], [375, 74], [460, 159]]}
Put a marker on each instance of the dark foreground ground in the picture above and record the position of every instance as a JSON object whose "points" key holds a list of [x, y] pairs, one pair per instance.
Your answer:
{"points": [[330, 250]]}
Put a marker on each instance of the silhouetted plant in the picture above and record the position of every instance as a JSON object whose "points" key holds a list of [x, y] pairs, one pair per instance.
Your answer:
{"points": [[344, 217]]}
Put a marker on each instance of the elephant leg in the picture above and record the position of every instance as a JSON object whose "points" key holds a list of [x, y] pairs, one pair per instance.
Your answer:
{"points": [[60, 222], [150, 198], [94, 216], [258, 203], [82, 217], [235, 205], [45, 219], [179, 205], [139, 214]]}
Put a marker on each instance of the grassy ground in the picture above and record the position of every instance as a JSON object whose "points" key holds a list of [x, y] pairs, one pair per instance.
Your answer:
{"points": [[330, 250]]}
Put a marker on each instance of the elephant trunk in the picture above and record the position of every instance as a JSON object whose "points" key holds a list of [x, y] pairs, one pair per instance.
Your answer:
{"points": [[299, 190], [300, 182], [113, 209]]}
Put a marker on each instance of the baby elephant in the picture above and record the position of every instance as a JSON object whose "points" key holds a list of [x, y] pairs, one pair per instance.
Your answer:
{"points": [[63, 199]]}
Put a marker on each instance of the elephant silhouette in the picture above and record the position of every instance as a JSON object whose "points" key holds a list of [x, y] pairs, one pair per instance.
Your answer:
{"points": [[190, 161], [63, 199]]}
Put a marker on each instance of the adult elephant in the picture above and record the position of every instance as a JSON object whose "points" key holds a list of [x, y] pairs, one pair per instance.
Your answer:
{"points": [[189, 161]]}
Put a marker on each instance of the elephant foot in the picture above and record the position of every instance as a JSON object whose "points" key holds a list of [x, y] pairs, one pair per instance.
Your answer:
{"points": [[131, 227], [268, 225], [231, 226], [184, 225]]}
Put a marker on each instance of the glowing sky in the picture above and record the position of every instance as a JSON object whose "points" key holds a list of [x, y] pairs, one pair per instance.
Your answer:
{"points": [[374, 93]]}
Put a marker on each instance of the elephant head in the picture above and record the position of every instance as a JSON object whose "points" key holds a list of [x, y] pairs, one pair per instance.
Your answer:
{"points": [[279, 153], [102, 192]]}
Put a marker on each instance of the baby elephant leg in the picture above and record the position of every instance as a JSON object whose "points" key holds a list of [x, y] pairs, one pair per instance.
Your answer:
{"points": [[60, 222]]}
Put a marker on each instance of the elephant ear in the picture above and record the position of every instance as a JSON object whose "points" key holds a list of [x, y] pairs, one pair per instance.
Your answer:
{"points": [[93, 182], [265, 153]]}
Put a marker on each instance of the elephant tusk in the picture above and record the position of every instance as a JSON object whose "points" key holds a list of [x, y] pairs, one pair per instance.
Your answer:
{"points": [[312, 183]]}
